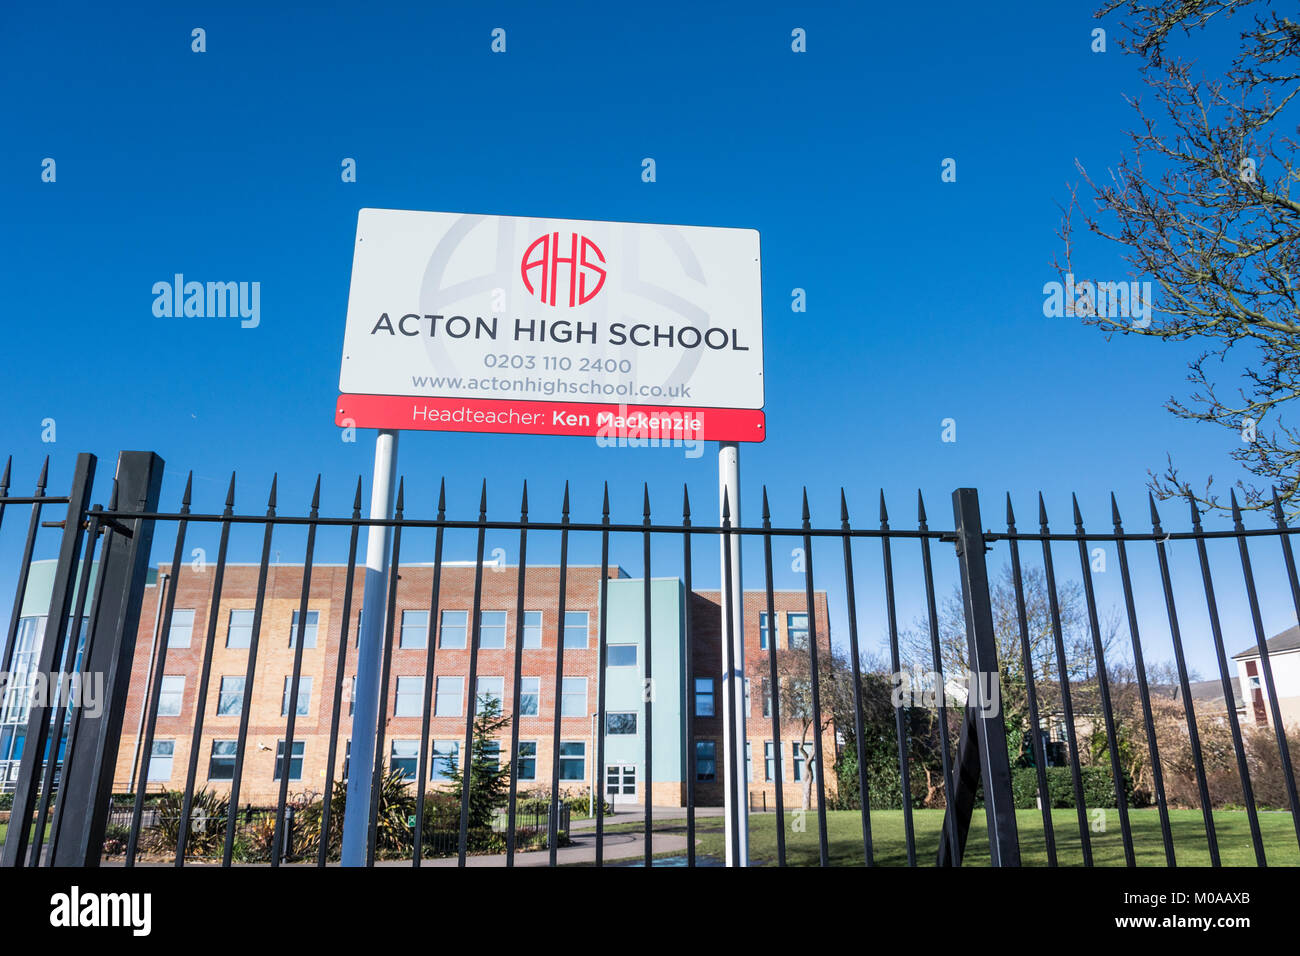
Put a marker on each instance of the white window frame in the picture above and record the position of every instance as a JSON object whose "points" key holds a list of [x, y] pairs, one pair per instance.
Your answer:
{"points": [[572, 757], [176, 629], [585, 627], [412, 628], [442, 755], [483, 626], [163, 754], [237, 696], [712, 697], [524, 692], [410, 751], [309, 630], [213, 757], [171, 695], [304, 696], [463, 628], [521, 757], [636, 723], [230, 626], [409, 692], [439, 694], [479, 694], [636, 654], [567, 695], [297, 752], [539, 629]]}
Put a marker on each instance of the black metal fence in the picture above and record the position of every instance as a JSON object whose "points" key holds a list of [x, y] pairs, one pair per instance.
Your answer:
{"points": [[102, 567]]}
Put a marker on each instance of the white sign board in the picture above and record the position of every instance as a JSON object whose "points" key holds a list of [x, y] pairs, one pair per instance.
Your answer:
{"points": [[551, 326]]}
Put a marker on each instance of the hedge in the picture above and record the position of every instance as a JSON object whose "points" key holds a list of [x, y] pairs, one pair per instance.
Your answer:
{"points": [[1098, 789]]}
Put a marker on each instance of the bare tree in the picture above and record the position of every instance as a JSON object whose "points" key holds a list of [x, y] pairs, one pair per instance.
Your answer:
{"points": [[835, 696], [1203, 205], [1080, 658]]}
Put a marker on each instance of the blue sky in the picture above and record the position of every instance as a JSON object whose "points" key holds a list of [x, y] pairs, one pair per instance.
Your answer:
{"points": [[924, 298]]}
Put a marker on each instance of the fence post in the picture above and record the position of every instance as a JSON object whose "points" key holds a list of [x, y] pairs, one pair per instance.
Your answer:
{"points": [[48, 665], [982, 753], [89, 766]]}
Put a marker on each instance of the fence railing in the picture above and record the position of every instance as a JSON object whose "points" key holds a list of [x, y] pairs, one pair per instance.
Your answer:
{"points": [[960, 745]]}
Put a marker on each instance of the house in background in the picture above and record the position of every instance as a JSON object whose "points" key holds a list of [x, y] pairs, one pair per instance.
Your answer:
{"points": [[1284, 656], [1207, 697]]}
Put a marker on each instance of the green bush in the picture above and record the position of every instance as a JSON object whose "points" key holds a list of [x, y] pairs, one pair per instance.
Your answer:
{"points": [[6, 801], [207, 824], [1098, 788]]}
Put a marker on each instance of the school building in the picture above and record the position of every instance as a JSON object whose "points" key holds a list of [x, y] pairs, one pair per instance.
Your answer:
{"points": [[445, 636]]}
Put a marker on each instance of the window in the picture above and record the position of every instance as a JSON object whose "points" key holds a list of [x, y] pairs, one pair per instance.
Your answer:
{"points": [[304, 697], [230, 702], [448, 698], [490, 688], [573, 760], [160, 761], [404, 756], [526, 765], [620, 724], [706, 760], [704, 697], [798, 760], [769, 761], [764, 631], [749, 763], [621, 655], [492, 629], [415, 629], [239, 633], [767, 698], [295, 759], [309, 629], [451, 630], [445, 753], [222, 764], [532, 629], [575, 630], [530, 696], [573, 700], [620, 779], [347, 759], [410, 697], [796, 630], [171, 696], [492, 753], [352, 693], [178, 635]]}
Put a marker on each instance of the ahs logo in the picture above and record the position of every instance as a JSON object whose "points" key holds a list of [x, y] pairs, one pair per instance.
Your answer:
{"points": [[543, 259]]}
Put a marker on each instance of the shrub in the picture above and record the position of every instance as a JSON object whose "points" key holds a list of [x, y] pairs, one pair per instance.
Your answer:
{"points": [[1098, 789], [207, 824]]}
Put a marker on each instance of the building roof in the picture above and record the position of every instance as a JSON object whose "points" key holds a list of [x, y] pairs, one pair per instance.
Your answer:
{"points": [[1203, 691], [1288, 640]]}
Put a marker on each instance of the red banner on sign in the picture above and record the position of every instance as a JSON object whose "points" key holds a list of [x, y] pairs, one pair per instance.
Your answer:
{"points": [[615, 422]]}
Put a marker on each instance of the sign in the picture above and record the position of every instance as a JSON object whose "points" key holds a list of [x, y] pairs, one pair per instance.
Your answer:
{"points": [[552, 327]]}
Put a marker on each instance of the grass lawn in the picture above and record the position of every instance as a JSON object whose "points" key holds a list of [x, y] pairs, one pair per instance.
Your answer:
{"points": [[844, 838]]}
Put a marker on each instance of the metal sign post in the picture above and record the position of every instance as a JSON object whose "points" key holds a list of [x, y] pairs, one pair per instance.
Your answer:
{"points": [[366, 703], [736, 792]]}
